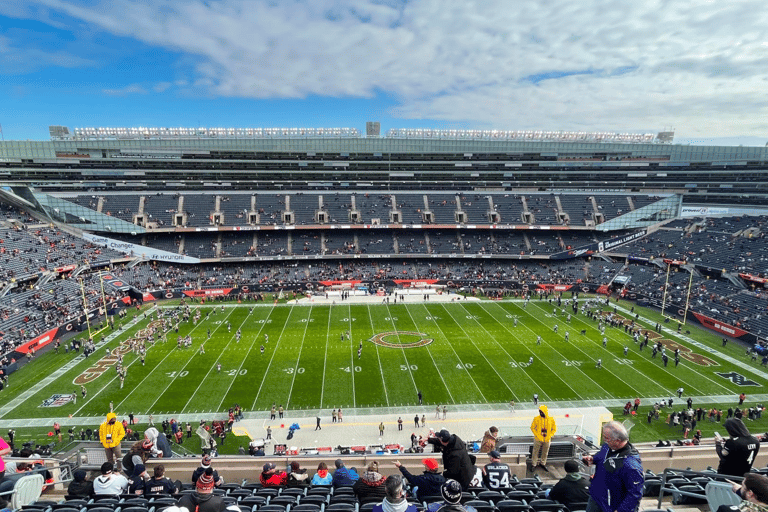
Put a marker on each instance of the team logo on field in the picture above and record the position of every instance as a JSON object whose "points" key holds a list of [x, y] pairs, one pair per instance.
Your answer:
{"points": [[737, 379], [401, 339], [57, 400]]}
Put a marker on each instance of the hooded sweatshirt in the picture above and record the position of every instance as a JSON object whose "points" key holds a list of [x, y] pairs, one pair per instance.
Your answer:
{"points": [[543, 428], [322, 477], [739, 451], [202, 502], [111, 435], [370, 484]]}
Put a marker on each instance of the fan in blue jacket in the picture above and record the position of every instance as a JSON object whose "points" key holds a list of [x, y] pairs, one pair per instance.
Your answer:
{"points": [[618, 482]]}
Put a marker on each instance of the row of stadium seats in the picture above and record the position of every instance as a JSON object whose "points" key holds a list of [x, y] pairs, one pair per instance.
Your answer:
{"points": [[161, 208]]}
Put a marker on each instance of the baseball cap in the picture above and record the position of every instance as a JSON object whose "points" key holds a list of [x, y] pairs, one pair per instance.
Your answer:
{"points": [[494, 454], [444, 436], [339, 463], [431, 464], [268, 467]]}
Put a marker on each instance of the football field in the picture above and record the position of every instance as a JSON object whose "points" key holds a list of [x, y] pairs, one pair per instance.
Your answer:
{"points": [[463, 352]]}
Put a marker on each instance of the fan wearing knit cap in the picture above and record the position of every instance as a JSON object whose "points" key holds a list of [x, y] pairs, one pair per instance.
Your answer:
{"points": [[80, 485], [205, 463], [428, 483], [370, 484], [451, 491], [203, 499], [139, 453], [573, 488], [137, 479]]}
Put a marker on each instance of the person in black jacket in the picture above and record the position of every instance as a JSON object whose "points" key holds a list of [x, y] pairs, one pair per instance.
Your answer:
{"points": [[80, 485], [573, 488], [456, 462], [739, 451], [427, 483], [203, 500]]}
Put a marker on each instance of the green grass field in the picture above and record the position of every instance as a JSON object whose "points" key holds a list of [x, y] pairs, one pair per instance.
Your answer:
{"points": [[476, 356]]}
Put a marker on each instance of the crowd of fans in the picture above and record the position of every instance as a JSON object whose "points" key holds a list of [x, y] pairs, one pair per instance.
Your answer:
{"points": [[37, 290]]}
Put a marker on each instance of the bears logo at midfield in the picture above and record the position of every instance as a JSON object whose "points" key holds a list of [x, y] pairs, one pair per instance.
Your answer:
{"points": [[401, 339]]}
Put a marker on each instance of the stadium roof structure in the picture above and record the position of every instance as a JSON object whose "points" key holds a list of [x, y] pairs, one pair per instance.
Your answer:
{"points": [[405, 159]]}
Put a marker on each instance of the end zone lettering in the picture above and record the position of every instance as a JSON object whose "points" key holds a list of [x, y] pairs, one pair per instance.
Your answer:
{"points": [[685, 352]]}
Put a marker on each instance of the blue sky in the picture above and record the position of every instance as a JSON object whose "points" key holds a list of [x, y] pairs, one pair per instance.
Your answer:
{"points": [[695, 66]]}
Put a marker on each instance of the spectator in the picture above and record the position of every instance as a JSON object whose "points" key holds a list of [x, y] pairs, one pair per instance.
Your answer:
{"points": [[322, 477], [617, 485], [572, 488], [80, 486], [343, 476], [205, 463], [159, 484], [109, 482], [203, 499], [160, 445], [137, 479], [370, 484], [394, 499], [298, 477], [496, 474], [270, 477], [451, 491], [489, 440], [111, 432], [738, 452], [139, 453], [543, 427], [426, 484], [4, 450], [456, 462], [753, 491]]}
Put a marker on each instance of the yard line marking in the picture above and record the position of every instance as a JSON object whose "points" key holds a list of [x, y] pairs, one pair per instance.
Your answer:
{"points": [[194, 352], [296, 368], [478, 349], [223, 351], [690, 368], [105, 386], [247, 354], [458, 359], [351, 348], [553, 347], [402, 350], [434, 363], [325, 359], [269, 365], [525, 372], [381, 370], [21, 398], [612, 355]]}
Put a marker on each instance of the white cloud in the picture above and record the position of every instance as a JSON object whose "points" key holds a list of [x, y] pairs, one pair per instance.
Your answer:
{"points": [[18, 59], [126, 91], [698, 66]]}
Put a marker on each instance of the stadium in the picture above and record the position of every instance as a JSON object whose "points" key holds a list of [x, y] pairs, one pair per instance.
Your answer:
{"points": [[386, 275]]}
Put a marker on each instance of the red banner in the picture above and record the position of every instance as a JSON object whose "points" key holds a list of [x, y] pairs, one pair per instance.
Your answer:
{"points": [[718, 326], [148, 296], [206, 293], [555, 287], [338, 283], [414, 282], [38, 342], [754, 279], [673, 262], [65, 268]]}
